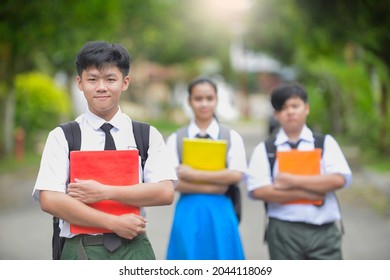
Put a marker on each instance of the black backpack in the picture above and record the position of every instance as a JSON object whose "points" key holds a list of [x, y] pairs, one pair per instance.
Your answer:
{"points": [[233, 191], [73, 136]]}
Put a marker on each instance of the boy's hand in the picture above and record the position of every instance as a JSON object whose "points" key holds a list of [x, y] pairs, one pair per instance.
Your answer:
{"points": [[129, 225], [284, 181], [87, 191]]}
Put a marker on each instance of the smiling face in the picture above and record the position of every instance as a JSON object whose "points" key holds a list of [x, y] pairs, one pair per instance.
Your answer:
{"points": [[292, 115], [102, 89], [203, 101]]}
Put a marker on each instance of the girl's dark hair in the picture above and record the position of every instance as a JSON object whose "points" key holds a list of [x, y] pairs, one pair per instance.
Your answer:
{"points": [[201, 80], [100, 54], [280, 95]]}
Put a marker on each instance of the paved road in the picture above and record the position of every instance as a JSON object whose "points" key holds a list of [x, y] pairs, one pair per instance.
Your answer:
{"points": [[26, 231]]}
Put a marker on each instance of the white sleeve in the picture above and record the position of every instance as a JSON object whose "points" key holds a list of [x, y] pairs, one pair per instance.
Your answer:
{"points": [[159, 165], [334, 160], [172, 149], [53, 172], [237, 155], [259, 172]]}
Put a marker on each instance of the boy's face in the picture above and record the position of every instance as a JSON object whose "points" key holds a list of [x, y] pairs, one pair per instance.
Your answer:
{"points": [[292, 116], [102, 89]]}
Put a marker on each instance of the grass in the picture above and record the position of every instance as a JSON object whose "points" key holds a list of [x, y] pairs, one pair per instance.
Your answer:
{"points": [[10, 164], [165, 127], [375, 161]]}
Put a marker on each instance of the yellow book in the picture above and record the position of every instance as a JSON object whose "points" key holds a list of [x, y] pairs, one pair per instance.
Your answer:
{"points": [[204, 154]]}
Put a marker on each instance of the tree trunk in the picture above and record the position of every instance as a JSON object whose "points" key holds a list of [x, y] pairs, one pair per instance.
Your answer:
{"points": [[383, 138], [9, 120]]}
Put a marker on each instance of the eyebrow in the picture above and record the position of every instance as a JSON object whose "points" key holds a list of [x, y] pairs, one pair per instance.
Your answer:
{"points": [[109, 75]]}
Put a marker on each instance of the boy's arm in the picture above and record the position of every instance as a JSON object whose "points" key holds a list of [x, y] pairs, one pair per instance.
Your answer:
{"points": [[270, 193], [141, 195], [184, 186], [75, 212], [320, 184], [336, 174]]}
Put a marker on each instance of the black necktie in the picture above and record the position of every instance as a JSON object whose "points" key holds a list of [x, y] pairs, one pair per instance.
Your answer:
{"points": [[109, 143], [111, 241], [294, 145], [202, 136]]}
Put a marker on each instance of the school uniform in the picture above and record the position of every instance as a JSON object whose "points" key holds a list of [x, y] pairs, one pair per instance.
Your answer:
{"points": [[53, 173], [288, 220], [205, 226]]}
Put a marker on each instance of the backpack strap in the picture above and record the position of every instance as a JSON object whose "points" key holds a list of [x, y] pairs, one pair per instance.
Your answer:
{"points": [[72, 134], [141, 133], [270, 149], [180, 134], [319, 140], [224, 133], [73, 137]]}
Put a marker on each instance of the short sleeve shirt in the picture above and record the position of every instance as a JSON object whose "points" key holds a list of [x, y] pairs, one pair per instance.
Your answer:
{"points": [[54, 168], [332, 162]]}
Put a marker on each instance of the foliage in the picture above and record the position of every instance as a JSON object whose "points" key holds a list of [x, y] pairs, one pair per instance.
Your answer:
{"points": [[341, 51], [273, 27], [342, 95], [41, 104], [315, 35]]}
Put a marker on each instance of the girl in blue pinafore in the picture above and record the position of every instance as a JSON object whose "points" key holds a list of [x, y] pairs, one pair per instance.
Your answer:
{"points": [[205, 226]]}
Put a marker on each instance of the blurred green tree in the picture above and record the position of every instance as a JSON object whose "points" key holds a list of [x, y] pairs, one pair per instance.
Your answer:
{"points": [[40, 103], [340, 50]]}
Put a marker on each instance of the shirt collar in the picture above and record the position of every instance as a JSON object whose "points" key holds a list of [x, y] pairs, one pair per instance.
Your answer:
{"points": [[212, 129], [306, 135], [96, 122]]}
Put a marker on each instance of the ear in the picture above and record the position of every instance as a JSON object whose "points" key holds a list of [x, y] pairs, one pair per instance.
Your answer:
{"points": [[79, 83], [126, 83], [307, 109], [276, 115]]}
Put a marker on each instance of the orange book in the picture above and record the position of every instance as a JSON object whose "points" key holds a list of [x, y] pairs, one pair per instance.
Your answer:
{"points": [[117, 168], [301, 163]]}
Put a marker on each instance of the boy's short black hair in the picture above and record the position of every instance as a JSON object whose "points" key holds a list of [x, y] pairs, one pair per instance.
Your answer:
{"points": [[201, 80], [100, 54], [280, 95]]}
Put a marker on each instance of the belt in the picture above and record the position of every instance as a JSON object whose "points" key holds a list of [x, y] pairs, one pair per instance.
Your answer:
{"points": [[111, 242]]}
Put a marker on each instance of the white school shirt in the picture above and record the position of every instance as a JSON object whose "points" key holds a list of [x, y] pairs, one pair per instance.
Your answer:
{"points": [[236, 156], [333, 161], [54, 169]]}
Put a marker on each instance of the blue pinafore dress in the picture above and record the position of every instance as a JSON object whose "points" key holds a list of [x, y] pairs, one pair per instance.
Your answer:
{"points": [[204, 227]]}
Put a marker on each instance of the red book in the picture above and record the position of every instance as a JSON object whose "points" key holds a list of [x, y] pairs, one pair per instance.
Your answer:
{"points": [[116, 168]]}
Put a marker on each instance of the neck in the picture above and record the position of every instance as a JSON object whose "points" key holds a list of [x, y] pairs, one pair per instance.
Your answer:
{"points": [[203, 124], [293, 136]]}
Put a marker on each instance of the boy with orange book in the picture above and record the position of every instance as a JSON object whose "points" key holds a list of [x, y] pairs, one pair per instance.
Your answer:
{"points": [[298, 189]]}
